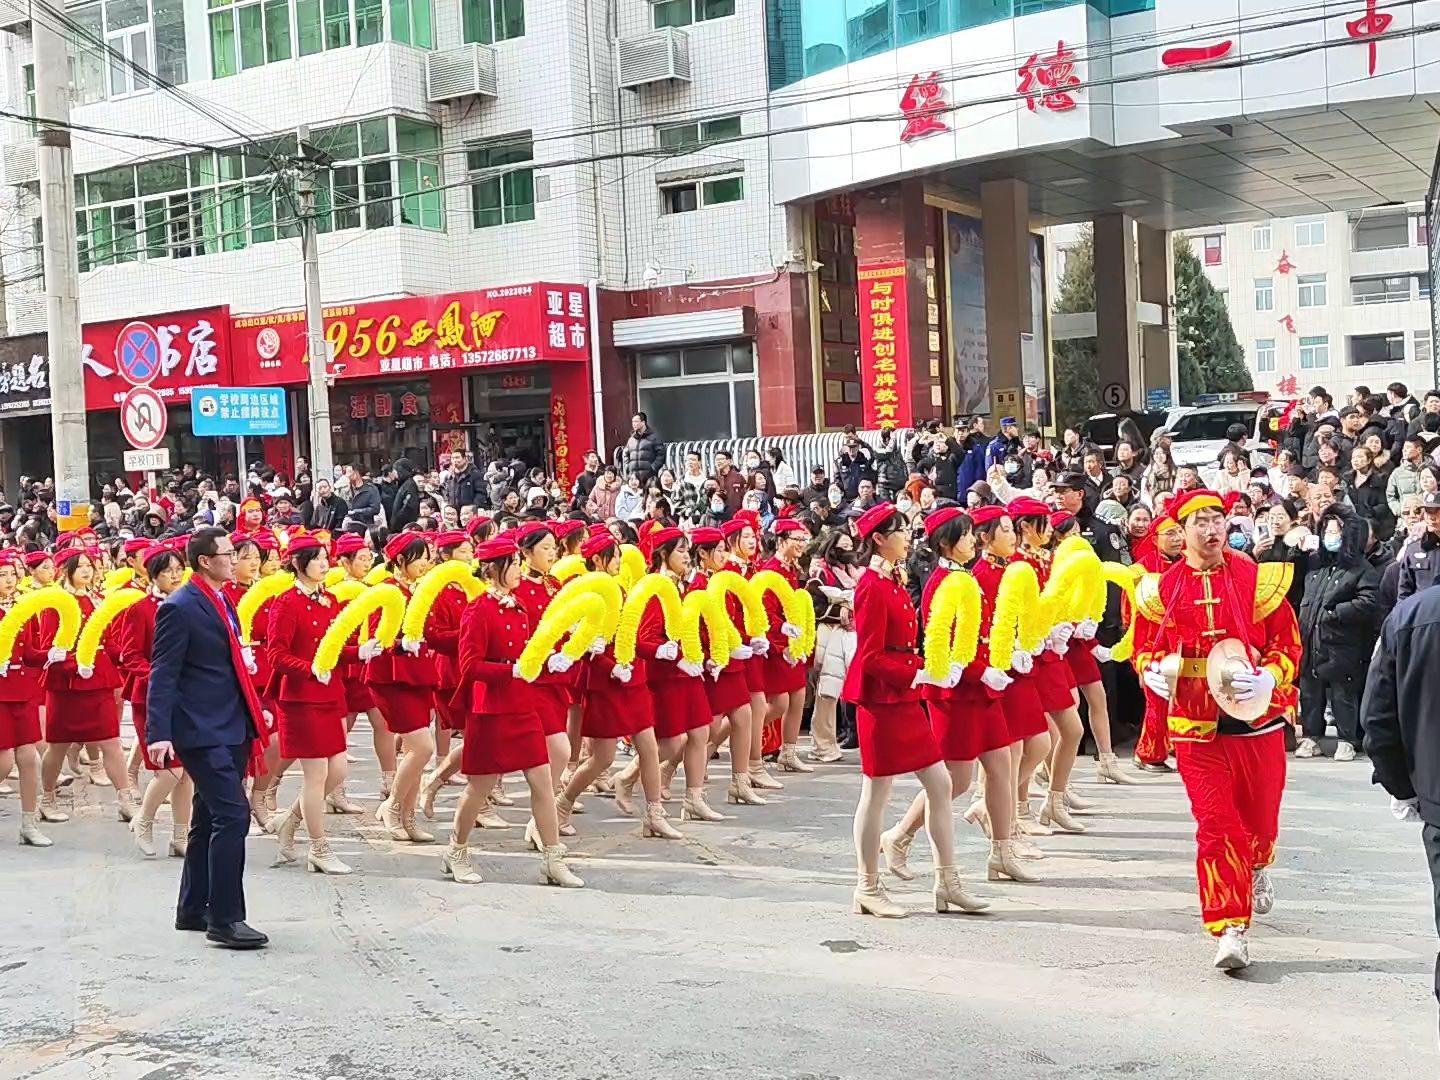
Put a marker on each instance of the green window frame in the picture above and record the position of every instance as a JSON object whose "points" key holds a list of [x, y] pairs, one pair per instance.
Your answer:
{"points": [[507, 197], [694, 134], [488, 21], [684, 12]]}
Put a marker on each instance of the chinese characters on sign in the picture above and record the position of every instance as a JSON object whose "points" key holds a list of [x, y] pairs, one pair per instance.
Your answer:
{"points": [[1288, 385], [1046, 81], [921, 105], [1368, 27], [238, 410], [884, 345], [565, 318], [1284, 266], [560, 439], [1288, 322], [1193, 55], [192, 353]]}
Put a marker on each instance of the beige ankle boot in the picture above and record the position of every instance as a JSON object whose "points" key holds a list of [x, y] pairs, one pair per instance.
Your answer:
{"points": [[498, 796], [286, 826], [50, 809], [1025, 820], [895, 846], [30, 833], [532, 836], [413, 832], [563, 809], [272, 795], [389, 815], [490, 818], [1075, 802], [1054, 812], [1022, 845], [259, 814], [1108, 771], [324, 861], [760, 778], [950, 893], [870, 898], [337, 802], [742, 792], [429, 790], [1004, 863], [455, 864], [125, 808], [553, 870], [977, 814], [695, 808], [790, 760], [387, 780], [179, 845], [144, 830], [667, 776], [625, 789], [656, 823]]}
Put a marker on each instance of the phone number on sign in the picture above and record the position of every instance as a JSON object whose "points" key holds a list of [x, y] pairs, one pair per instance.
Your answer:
{"points": [[500, 356]]}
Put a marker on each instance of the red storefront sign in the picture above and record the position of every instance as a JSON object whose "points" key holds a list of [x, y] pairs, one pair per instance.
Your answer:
{"points": [[194, 352], [517, 324], [884, 345]]}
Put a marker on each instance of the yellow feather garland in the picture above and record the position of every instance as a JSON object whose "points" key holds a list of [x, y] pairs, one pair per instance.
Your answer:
{"points": [[334, 576], [579, 614], [796, 606], [99, 621], [656, 587], [1122, 576], [117, 579], [427, 591], [608, 588], [705, 606], [378, 575], [567, 567], [50, 598], [386, 599], [952, 634], [632, 566], [345, 591], [255, 595], [1009, 627], [729, 583]]}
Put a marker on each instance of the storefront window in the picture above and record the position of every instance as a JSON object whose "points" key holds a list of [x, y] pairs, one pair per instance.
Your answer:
{"points": [[702, 392], [373, 423]]}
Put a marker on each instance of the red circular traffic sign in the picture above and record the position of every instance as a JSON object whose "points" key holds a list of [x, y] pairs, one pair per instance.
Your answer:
{"points": [[143, 418], [138, 353]]}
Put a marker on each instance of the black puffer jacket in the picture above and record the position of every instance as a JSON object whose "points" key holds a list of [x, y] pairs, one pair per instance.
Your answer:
{"points": [[644, 455], [891, 471], [1337, 613]]}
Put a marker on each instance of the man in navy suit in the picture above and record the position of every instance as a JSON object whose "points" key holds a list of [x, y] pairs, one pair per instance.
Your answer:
{"points": [[201, 708]]}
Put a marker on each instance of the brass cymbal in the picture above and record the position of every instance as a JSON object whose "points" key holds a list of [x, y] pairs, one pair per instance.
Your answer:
{"points": [[1226, 659]]}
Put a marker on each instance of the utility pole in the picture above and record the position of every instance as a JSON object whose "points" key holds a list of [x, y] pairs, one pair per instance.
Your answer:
{"points": [[62, 275], [322, 453]]}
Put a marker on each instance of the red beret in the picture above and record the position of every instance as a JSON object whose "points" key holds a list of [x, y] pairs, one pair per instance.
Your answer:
{"points": [[663, 535], [497, 547], [139, 543], [750, 517], [164, 548], [1191, 501], [305, 542], [789, 525], [68, 554], [35, 558], [400, 541], [936, 518], [596, 544], [983, 515], [64, 539], [1060, 517], [450, 538], [349, 543], [735, 526], [598, 528], [873, 518], [477, 523], [564, 528], [706, 535], [530, 528], [1027, 505], [265, 540]]}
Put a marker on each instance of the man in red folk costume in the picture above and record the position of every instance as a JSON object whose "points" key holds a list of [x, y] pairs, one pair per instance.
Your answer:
{"points": [[1215, 639], [1157, 553]]}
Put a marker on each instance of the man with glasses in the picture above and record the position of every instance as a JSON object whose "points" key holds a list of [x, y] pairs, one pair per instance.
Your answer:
{"points": [[1232, 763], [202, 711]]}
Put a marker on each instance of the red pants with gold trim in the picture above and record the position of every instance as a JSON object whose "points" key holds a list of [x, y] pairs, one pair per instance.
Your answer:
{"points": [[1153, 746], [1235, 784]]}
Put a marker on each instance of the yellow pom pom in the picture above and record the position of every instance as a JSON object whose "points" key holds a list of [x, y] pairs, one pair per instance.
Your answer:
{"points": [[428, 590], [1019, 590], [632, 566], [952, 633], [117, 579], [729, 583], [345, 591], [580, 615], [705, 607], [334, 576], [656, 587], [50, 598], [386, 599], [608, 589], [379, 573], [100, 620], [1124, 577], [567, 567], [796, 606], [255, 595]]}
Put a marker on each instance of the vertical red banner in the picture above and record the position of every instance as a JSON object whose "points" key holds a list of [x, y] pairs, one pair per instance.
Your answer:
{"points": [[884, 345], [572, 431]]}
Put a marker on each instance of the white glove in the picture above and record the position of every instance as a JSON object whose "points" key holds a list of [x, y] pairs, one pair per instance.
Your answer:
{"points": [[1155, 682], [248, 655], [1022, 661], [621, 673], [1056, 645], [1249, 684], [1062, 633], [559, 663], [790, 630], [923, 678], [85, 670], [4, 668], [410, 645], [1038, 649], [56, 655], [713, 670], [1087, 629], [1100, 653], [1405, 809], [741, 652], [322, 677], [995, 679], [369, 649], [760, 645], [668, 651], [793, 661], [597, 646], [516, 673], [691, 669]]}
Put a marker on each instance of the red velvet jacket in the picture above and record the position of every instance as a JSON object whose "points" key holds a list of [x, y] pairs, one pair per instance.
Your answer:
{"points": [[442, 634], [398, 667], [22, 679], [137, 634], [297, 623], [885, 658], [63, 677], [969, 682], [774, 610], [493, 633]]}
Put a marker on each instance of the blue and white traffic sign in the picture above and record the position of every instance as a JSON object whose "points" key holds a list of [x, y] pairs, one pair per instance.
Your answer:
{"points": [[138, 353], [239, 410]]}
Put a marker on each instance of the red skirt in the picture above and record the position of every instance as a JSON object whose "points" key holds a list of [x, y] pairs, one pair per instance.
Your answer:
{"points": [[358, 696], [499, 743], [310, 731], [680, 706], [552, 702], [1024, 714], [730, 691], [1054, 683], [968, 726], [616, 714], [896, 739], [137, 717], [1084, 668], [450, 717], [781, 676], [19, 723], [754, 669], [405, 708], [83, 716]]}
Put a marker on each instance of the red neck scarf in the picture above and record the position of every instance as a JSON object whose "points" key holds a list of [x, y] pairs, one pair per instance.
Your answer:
{"points": [[242, 675]]}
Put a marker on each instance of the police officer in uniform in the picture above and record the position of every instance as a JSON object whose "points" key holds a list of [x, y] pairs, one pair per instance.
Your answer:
{"points": [[1421, 562], [1069, 490]]}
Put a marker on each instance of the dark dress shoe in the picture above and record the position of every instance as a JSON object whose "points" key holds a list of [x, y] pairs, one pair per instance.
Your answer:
{"points": [[1153, 766], [190, 922], [236, 935]]}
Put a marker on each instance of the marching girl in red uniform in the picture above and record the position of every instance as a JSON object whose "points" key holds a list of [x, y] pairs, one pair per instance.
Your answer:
{"points": [[967, 719], [310, 706], [253, 554], [41, 567], [742, 537], [1052, 676], [1024, 714], [442, 633], [131, 554], [618, 705], [785, 677], [553, 688], [80, 705], [164, 570], [20, 707], [895, 737], [727, 689], [403, 680], [503, 732], [354, 556], [570, 534]]}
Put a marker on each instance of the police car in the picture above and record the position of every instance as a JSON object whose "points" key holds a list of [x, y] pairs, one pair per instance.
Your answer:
{"points": [[1198, 435]]}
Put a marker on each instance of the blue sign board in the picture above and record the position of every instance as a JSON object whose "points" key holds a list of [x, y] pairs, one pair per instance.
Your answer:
{"points": [[1157, 397], [239, 410]]}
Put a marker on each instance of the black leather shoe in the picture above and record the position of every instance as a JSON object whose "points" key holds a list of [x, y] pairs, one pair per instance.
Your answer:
{"points": [[190, 922], [236, 935], [1153, 766]]}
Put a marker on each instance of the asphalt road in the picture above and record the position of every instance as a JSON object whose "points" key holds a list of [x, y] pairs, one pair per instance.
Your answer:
{"points": [[731, 954]]}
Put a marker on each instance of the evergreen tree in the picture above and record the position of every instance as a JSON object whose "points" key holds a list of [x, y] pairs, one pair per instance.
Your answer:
{"points": [[1077, 374], [1210, 356]]}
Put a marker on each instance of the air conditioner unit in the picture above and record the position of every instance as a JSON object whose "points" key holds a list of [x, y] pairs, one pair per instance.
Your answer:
{"points": [[13, 13], [19, 162], [655, 57], [468, 71]]}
